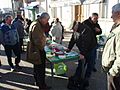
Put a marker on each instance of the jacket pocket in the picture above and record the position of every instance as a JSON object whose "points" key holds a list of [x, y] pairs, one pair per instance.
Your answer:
{"points": [[33, 55]]}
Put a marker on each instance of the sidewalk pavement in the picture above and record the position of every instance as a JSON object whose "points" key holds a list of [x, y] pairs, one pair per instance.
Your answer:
{"points": [[24, 79]]}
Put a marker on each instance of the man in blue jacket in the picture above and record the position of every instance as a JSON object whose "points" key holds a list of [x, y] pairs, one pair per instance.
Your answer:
{"points": [[11, 42]]}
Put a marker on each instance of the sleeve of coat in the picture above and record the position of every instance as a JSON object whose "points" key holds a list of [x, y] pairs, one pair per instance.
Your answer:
{"points": [[87, 40], [72, 42], [115, 70], [38, 38]]}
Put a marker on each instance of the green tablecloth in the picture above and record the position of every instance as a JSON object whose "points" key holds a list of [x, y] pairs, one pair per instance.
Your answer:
{"points": [[56, 59]]}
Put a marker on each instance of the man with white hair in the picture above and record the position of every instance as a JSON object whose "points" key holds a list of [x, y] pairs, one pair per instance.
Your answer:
{"points": [[111, 53], [35, 50]]}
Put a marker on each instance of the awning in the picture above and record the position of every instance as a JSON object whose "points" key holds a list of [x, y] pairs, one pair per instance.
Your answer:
{"points": [[64, 3], [32, 5], [73, 2], [93, 1]]}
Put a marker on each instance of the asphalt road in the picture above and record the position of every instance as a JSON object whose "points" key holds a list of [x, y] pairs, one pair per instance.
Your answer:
{"points": [[24, 80]]}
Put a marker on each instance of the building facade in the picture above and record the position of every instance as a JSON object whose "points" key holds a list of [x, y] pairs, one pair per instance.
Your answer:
{"points": [[80, 10], [69, 10], [104, 9]]}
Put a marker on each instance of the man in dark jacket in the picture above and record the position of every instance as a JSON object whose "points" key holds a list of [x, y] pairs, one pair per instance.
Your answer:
{"points": [[92, 22], [84, 39], [20, 28]]}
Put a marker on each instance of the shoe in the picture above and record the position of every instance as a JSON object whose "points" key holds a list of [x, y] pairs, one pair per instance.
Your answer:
{"points": [[18, 67], [12, 70], [74, 84], [36, 84], [44, 87], [94, 70], [86, 84], [0, 63]]}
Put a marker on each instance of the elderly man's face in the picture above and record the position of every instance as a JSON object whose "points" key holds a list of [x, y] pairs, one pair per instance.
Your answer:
{"points": [[115, 16], [44, 21], [94, 18]]}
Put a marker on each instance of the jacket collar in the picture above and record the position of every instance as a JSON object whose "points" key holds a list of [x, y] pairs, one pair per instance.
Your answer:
{"points": [[115, 29], [92, 21]]}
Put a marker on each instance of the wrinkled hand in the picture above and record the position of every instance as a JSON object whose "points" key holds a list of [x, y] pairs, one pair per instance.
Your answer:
{"points": [[82, 57]]}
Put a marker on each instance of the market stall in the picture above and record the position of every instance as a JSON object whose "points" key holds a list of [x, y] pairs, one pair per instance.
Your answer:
{"points": [[56, 53]]}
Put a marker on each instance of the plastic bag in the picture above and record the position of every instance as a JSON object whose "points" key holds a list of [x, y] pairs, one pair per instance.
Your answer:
{"points": [[60, 68]]}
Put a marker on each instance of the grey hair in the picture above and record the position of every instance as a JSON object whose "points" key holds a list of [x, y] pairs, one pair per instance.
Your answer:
{"points": [[116, 8], [7, 16], [44, 15]]}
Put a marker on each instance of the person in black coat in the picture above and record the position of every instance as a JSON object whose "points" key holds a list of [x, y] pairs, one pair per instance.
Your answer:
{"points": [[92, 22], [84, 39]]}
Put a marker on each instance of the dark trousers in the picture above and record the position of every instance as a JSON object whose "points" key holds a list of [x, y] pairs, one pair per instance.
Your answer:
{"points": [[16, 49], [21, 44], [113, 82], [85, 67], [39, 70], [90, 61], [80, 71]]}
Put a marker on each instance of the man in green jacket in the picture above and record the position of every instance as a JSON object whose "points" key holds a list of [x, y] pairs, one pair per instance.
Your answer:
{"points": [[36, 49]]}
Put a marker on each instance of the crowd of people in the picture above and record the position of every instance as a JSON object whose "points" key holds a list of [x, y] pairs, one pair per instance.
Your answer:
{"points": [[84, 36]]}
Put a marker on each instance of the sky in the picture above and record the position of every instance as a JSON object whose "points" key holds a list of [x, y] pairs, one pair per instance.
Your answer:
{"points": [[5, 4]]}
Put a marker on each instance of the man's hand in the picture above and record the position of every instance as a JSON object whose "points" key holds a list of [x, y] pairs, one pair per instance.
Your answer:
{"points": [[97, 29], [82, 57], [67, 50]]}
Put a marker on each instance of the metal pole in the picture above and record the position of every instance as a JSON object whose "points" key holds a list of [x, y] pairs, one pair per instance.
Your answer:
{"points": [[46, 6], [118, 1], [13, 10]]}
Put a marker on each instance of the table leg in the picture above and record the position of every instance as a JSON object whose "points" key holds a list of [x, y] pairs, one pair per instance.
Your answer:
{"points": [[51, 65]]}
